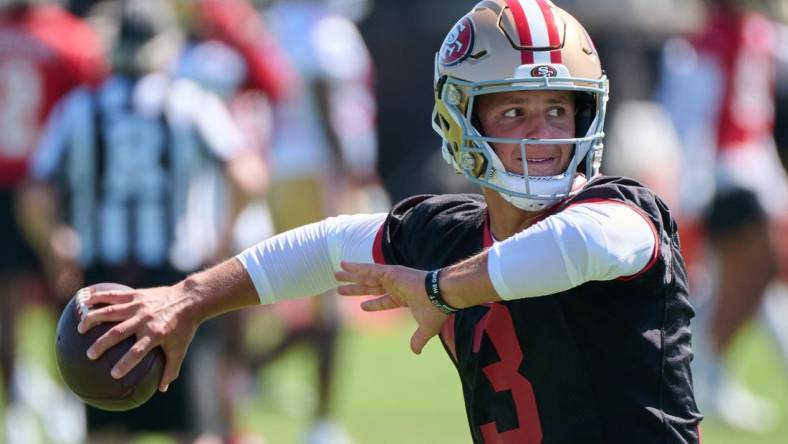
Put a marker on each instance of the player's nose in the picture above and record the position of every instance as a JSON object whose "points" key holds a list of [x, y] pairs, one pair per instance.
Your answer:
{"points": [[535, 127]]}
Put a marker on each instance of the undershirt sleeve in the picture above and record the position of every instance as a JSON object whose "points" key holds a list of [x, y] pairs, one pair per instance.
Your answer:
{"points": [[586, 242], [301, 262]]}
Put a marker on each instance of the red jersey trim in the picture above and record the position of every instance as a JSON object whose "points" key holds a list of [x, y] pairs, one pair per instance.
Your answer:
{"points": [[12, 172], [487, 239], [377, 246], [654, 253]]}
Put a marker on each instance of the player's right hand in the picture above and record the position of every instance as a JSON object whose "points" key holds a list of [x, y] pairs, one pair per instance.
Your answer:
{"points": [[159, 316]]}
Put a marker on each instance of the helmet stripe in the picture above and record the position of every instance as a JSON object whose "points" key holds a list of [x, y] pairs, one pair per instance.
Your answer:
{"points": [[527, 57], [539, 36], [552, 30], [538, 27]]}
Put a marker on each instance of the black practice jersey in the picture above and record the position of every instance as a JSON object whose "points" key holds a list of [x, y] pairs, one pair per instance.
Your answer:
{"points": [[604, 362]]}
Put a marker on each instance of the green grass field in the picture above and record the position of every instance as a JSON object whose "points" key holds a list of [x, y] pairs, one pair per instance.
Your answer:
{"points": [[387, 395]]}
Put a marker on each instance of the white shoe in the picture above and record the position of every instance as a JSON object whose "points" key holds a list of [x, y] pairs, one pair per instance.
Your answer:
{"points": [[60, 413], [327, 432], [774, 311], [721, 397], [21, 425], [737, 406]]}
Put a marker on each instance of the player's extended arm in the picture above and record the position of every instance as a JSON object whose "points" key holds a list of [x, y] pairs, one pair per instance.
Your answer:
{"points": [[294, 264], [599, 241]]}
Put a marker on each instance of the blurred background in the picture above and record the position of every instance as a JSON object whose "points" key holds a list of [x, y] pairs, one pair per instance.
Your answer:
{"points": [[245, 118]]}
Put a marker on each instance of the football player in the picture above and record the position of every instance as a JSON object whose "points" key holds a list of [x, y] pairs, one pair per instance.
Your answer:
{"points": [[559, 293], [139, 167], [718, 84], [44, 53]]}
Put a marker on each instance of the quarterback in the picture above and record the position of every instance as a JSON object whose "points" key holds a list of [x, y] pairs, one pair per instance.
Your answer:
{"points": [[558, 293]]}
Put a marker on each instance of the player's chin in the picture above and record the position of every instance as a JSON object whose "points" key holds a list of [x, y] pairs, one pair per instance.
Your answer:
{"points": [[543, 170], [542, 167]]}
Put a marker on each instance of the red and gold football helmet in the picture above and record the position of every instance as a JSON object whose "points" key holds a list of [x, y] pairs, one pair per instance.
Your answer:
{"points": [[518, 45]]}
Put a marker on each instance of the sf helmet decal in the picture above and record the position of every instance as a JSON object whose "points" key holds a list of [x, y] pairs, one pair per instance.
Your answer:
{"points": [[544, 71], [458, 44]]}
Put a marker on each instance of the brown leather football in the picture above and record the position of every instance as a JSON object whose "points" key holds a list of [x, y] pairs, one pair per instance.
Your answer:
{"points": [[91, 380]]}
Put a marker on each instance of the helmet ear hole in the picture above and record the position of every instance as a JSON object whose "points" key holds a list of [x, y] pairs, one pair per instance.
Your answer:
{"points": [[585, 111], [477, 123], [443, 122], [439, 85]]}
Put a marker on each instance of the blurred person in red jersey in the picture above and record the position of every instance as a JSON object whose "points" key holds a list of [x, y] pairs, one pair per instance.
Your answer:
{"points": [[237, 24], [44, 53], [139, 174], [322, 160], [718, 85], [230, 51]]}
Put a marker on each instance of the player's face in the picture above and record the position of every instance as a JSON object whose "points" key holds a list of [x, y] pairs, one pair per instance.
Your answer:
{"points": [[532, 115]]}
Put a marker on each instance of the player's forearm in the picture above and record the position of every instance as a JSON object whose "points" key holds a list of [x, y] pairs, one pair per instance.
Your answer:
{"points": [[467, 283], [301, 262], [225, 287]]}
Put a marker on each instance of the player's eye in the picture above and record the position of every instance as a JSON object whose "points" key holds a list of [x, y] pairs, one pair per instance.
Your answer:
{"points": [[556, 111], [512, 112]]}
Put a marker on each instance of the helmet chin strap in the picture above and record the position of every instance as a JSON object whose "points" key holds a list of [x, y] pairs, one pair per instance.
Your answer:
{"points": [[536, 205], [545, 185], [558, 185], [524, 204]]}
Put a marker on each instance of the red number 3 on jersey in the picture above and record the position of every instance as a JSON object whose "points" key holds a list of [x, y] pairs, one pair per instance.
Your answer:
{"points": [[504, 375]]}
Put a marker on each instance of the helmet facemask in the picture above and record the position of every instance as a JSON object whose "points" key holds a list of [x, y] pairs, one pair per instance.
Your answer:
{"points": [[473, 155]]}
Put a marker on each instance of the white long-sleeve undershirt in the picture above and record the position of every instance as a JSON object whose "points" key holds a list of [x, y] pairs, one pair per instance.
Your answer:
{"points": [[587, 242], [591, 241], [301, 262]]}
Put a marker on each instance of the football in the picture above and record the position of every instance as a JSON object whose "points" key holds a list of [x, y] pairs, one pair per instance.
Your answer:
{"points": [[91, 380]]}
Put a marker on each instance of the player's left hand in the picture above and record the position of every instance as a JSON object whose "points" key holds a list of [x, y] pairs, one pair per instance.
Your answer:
{"points": [[399, 287]]}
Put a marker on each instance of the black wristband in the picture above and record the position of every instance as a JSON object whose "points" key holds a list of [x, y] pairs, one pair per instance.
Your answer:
{"points": [[434, 292]]}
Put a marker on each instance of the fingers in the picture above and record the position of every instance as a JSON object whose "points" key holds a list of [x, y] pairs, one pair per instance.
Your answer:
{"points": [[382, 303], [363, 269], [359, 290], [365, 279], [419, 340], [362, 284], [369, 274], [171, 369], [132, 357], [110, 313], [346, 276], [109, 297], [113, 336]]}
